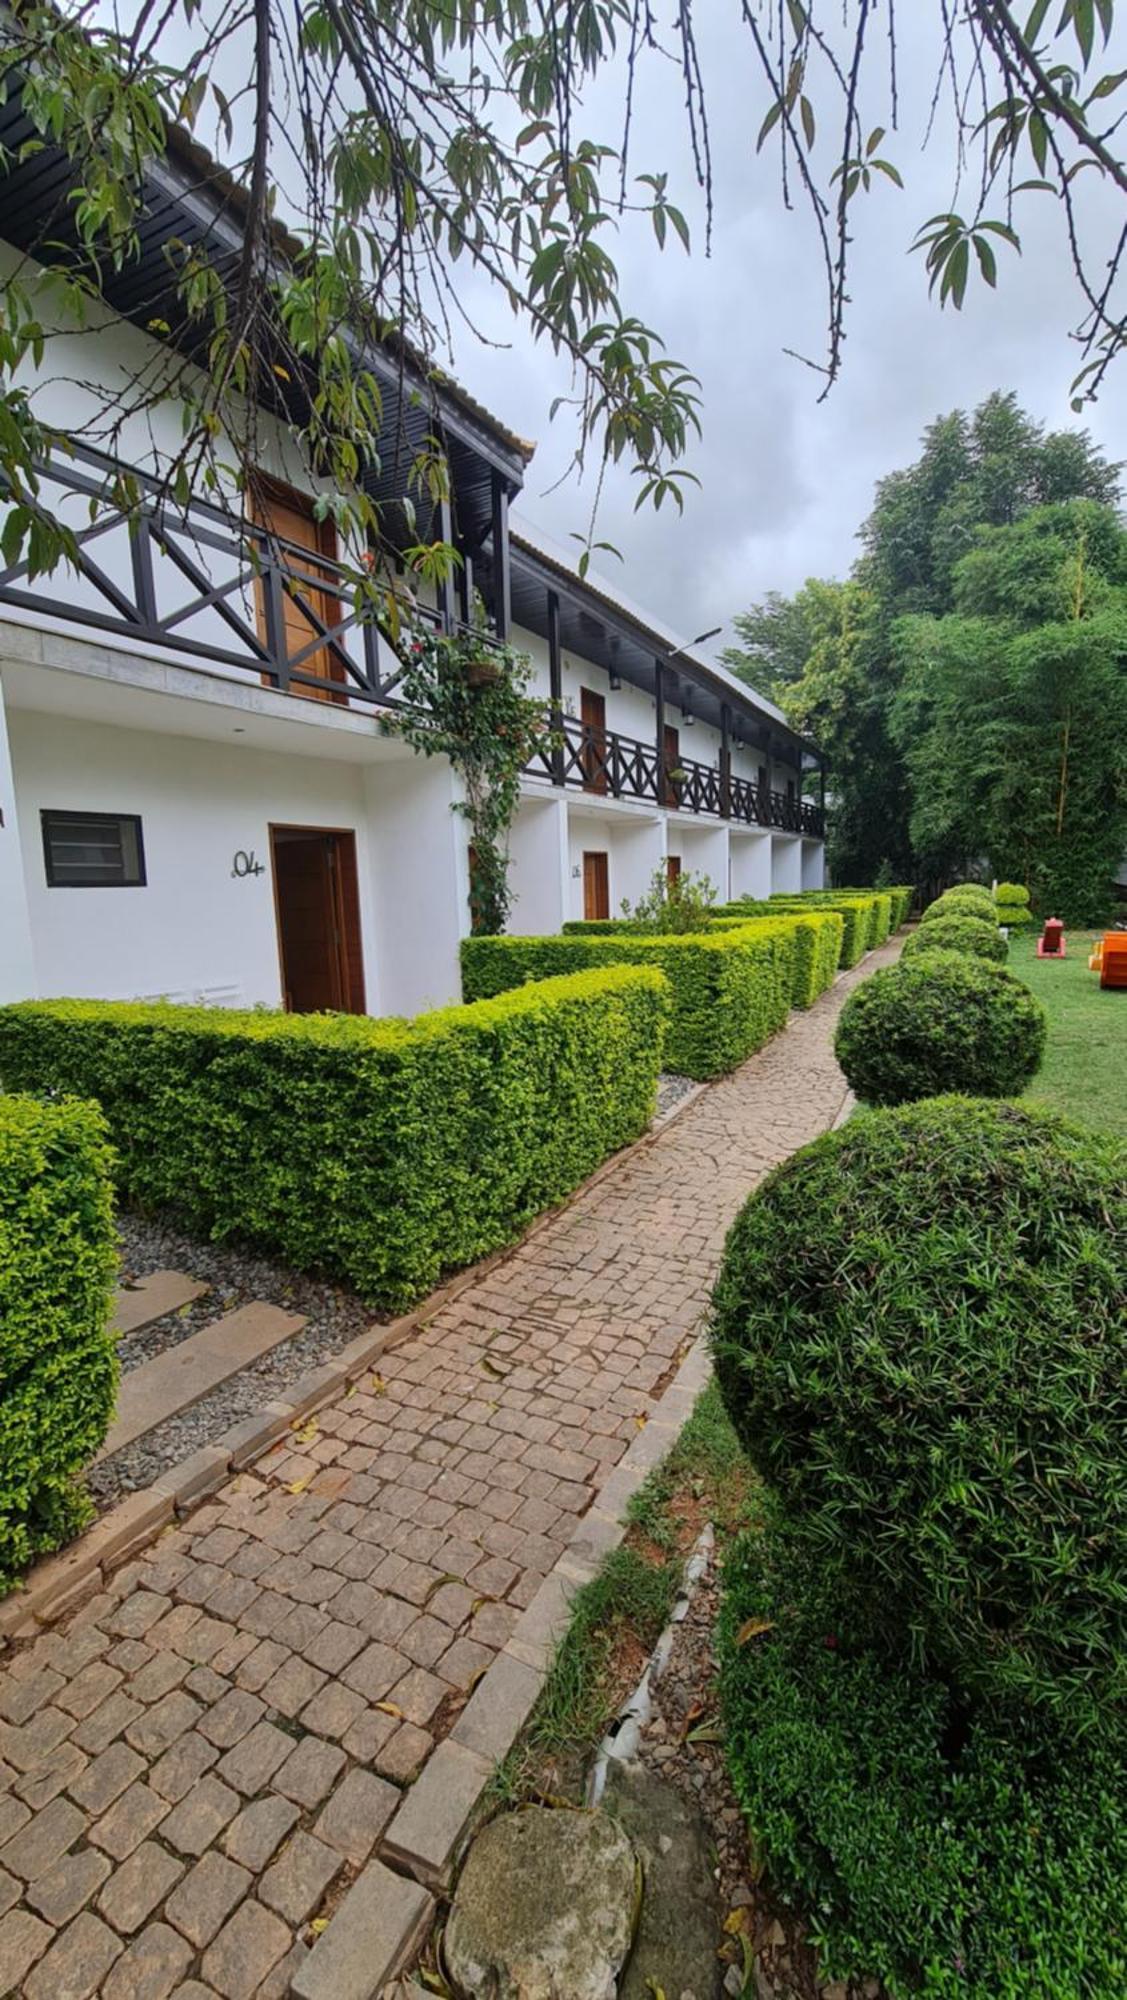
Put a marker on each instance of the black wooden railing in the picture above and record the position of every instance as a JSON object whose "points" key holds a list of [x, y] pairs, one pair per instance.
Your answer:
{"points": [[603, 762], [213, 585]]}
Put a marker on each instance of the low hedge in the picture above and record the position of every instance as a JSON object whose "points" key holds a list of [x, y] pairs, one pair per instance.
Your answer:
{"points": [[819, 935], [900, 897], [960, 932], [937, 1022], [949, 1856], [730, 990], [58, 1358], [857, 915], [920, 1338], [381, 1151]]}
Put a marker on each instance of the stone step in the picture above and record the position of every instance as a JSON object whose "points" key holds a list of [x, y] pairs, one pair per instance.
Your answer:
{"points": [[150, 1298], [173, 1381]]}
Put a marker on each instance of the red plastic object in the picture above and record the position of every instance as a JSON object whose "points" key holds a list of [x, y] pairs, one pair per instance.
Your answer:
{"points": [[1051, 943], [1113, 965]]}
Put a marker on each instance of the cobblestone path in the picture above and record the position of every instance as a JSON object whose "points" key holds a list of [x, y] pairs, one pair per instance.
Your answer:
{"points": [[201, 1755]]}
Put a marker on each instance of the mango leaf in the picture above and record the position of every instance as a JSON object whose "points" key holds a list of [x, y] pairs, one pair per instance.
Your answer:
{"points": [[753, 1628]]}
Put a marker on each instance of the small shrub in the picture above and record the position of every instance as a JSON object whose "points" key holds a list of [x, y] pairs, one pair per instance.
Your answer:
{"points": [[953, 1856], [964, 901], [1011, 904], [58, 1358], [670, 905], [920, 1338], [939, 1022], [958, 932], [730, 990], [1011, 892], [382, 1151]]}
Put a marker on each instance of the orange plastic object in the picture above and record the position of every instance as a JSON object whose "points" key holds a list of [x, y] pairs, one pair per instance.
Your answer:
{"points": [[1113, 969], [1096, 956], [1051, 942]]}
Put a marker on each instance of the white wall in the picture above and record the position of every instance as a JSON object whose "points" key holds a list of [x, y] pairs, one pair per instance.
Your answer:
{"points": [[196, 927], [703, 848], [420, 883], [539, 867], [751, 865], [786, 862], [17, 966], [813, 864]]}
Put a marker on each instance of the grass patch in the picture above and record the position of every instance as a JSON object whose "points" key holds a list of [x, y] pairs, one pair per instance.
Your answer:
{"points": [[1084, 1074], [618, 1616]]}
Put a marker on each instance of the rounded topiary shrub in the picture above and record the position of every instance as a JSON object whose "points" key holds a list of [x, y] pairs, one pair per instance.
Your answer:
{"points": [[1011, 892], [1011, 902], [921, 1339], [960, 931], [969, 898], [942, 1021]]}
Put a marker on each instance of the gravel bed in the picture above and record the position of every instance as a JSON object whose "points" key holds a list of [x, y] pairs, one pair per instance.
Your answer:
{"points": [[670, 1090], [685, 1702], [236, 1274]]}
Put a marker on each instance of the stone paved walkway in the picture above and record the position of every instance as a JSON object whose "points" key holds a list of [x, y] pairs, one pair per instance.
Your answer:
{"points": [[192, 1763]]}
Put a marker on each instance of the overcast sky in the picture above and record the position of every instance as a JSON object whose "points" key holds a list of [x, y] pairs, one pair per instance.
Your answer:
{"points": [[786, 480]]}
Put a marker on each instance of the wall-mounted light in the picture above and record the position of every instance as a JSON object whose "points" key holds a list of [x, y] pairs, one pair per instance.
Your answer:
{"points": [[614, 675], [687, 716]]}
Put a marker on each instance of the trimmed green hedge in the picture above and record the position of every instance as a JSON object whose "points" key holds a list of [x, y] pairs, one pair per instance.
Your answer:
{"points": [[731, 990], [857, 915], [959, 931], [382, 1151], [58, 1358], [965, 899], [938, 1022], [920, 1339]]}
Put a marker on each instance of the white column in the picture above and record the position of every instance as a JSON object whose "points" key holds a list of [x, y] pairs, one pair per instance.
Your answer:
{"points": [[786, 862], [638, 849], [419, 871], [538, 867], [703, 848], [751, 865], [17, 963], [813, 864]]}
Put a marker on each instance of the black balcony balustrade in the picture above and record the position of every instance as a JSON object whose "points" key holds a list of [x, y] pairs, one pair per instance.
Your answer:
{"points": [[607, 764], [214, 586]]}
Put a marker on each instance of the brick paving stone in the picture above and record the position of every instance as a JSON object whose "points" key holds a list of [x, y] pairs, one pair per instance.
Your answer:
{"points": [[68, 1886], [310, 1772], [464, 1662], [206, 1898], [356, 1815], [10, 1892], [368, 1735], [19, 1699], [259, 1830], [232, 1718], [38, 1787], [40, 1843], [100, 1783], [296, 1882], [14, 1814], [158, 1728], [295, 1683], [200, 1816], [155, 1962], [76, 1964], [23, 1939], [99, 1729], [418, 1696], [134, 1890], [374, 1671], [136, 1814], [403, 1755], [333, 1710], [253, 1762], [245, 1952], [180, 1767], [159, 1676]]}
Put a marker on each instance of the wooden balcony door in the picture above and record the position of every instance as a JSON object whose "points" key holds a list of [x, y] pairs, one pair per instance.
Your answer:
{"points": [[596, 887], [593, 716], [672, 868], [671, 761], [310, 546], [318, 911]]}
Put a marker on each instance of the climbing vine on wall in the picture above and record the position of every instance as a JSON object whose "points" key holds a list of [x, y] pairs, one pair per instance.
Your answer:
{"points": [[467, 700]]}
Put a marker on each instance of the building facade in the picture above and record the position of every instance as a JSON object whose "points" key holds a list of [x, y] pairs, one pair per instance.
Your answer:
{"points": [[197, 799]]}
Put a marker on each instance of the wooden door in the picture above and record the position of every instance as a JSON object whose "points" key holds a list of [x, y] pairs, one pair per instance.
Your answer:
{"points": [[593, 715], [672, 868], [310, 546], [596, 887], [671, 756], [318, 911]]}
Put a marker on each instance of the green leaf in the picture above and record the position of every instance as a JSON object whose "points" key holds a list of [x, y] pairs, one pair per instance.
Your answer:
{"points": [[768, 125], [987, 262]]}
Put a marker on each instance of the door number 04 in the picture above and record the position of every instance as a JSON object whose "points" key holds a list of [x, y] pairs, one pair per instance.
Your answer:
{"points": [[246, 864]]}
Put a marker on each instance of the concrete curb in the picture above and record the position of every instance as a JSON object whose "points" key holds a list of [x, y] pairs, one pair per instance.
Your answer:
{"points": [[425, 1839], [55, 1585]]}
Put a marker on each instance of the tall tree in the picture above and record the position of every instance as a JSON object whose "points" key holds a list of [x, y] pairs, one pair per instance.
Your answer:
{"points": [[984, 470], [1012, 711], [381, 146]]}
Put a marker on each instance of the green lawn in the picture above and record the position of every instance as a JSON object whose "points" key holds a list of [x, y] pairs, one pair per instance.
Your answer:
{"points": [[1084, 1073]]}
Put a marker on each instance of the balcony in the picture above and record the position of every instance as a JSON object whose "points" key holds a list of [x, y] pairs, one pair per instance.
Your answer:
{"points": [[605, 764]]}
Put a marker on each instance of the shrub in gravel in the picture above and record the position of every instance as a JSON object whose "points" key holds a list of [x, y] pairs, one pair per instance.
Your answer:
{"points": [[938, 1022], [959, 932], [383, 1151], [58, 1358], [953, 1854], [920, 1335]]}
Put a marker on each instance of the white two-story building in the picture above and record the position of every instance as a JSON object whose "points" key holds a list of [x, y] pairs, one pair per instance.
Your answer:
{"points": [[196, 796]]}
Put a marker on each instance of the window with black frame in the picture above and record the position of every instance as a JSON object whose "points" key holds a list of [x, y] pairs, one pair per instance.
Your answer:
{"points": [[93, 850]]}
